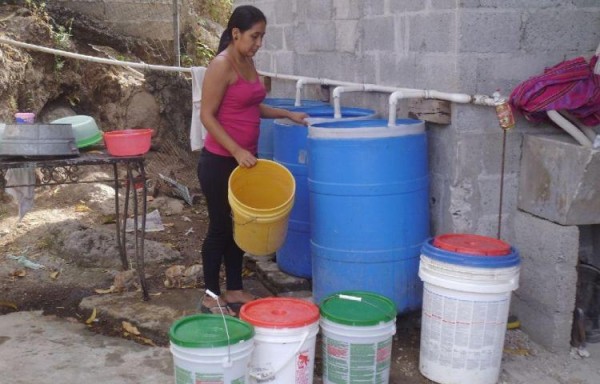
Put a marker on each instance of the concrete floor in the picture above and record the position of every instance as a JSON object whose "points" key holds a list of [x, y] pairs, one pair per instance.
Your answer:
{"points": [[46, 349]]}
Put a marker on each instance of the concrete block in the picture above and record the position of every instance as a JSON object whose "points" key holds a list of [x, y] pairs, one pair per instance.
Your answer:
{"points": [[125, 12], [401, 34], [561, 30], [436, 71], [322, 36], [545, 299], [521, 3], [481, 153], [559, 180], [432, 32], [283, 62], [147, 29], [373, 7], [487, 225], [346, 36], [396, 6], [311, 10], [489, 193], [397, 70], [489, 32], [347, 9], [277, 281], [93, 10], [274, 38], [307, 65], [502, 72], [295, 38], [285, 12], [443, 4], [339, 66], [378, 33], [438, 189]]}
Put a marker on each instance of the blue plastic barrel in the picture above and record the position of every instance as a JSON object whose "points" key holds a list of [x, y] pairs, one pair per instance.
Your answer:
{"points": [[290, 150], [265, 137], [369, 208]]}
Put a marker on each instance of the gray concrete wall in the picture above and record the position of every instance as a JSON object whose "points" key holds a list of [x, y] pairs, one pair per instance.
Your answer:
{"points": [[151, 19], [467, 46]]}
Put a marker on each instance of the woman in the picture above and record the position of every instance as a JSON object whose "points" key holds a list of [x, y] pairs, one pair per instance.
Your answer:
{"points": [[231, 110]]}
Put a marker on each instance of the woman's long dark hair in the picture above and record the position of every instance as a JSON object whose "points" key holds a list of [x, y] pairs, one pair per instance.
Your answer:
{"points": [[243, 18]]}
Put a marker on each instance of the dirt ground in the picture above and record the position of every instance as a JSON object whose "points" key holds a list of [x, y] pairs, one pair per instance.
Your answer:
{"points": [[42, 237]]}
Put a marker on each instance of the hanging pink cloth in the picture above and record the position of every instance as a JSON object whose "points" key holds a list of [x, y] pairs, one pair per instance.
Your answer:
{"points": [[571, 85]]}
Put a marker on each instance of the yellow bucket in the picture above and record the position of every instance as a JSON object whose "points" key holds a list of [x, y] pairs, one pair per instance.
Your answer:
{"points": [[261, 199]]}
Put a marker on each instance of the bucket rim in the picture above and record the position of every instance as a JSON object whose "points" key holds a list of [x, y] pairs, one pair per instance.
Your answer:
{"points": [[280, 312], [356, 308], [206, 331], [277, 210], [471, 260]]}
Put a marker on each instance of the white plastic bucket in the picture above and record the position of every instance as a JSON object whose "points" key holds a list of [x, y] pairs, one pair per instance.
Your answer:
{"points": [[286, 331], [357, 331], [466, 300], [204, 351]]}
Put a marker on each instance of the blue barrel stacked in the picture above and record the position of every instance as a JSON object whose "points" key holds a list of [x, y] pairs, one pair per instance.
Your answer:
{"points": [[290, 150], [368, 190], [265, 138]]}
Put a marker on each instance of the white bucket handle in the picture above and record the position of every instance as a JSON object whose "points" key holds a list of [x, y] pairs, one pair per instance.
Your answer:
{"points": [[226, 361], [261, 375]]}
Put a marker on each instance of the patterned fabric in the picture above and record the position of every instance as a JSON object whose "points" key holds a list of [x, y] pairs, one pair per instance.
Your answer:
{"points": [[571, 85]]}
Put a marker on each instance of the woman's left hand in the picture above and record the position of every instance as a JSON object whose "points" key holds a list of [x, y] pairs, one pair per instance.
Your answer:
{"points": [[298, 117]]}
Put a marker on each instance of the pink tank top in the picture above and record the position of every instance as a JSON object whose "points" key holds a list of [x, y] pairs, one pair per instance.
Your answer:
{"points": [[239, 114]]}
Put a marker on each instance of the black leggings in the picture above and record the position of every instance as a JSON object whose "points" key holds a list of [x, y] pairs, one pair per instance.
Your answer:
{"points": [[219, 246]]}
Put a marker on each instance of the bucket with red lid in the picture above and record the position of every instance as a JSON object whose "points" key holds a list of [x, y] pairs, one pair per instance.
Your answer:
{"points": [[468, 281], [285, 337]]}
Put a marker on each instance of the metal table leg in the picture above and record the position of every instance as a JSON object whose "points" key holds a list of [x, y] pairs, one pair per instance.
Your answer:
{"points": [[139, 239], [120, 244]]}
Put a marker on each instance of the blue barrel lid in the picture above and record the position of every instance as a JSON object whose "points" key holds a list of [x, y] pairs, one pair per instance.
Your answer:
{"points": [[471, 251], [289, 102], [328, 112], [371, 123]]}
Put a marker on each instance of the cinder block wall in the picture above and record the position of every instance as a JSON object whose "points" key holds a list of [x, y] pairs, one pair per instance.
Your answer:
{"points": [[467, 46], [151, 19]]}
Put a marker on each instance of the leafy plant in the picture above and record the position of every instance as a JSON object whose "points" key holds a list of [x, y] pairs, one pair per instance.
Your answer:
{"points": [[204, 53]]}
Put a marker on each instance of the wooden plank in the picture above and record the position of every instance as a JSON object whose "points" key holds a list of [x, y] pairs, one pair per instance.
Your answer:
{"points": [[430, 110]]}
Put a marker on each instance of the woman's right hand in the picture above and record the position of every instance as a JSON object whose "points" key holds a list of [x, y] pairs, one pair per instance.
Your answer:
{"points": [[244, 158]]}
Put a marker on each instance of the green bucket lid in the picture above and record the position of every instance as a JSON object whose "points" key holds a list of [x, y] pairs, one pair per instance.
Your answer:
{"points": [[358, 308], [208, 331]]}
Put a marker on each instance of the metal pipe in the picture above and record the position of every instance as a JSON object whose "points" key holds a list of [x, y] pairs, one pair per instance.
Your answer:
{"points": [[176, 33]]}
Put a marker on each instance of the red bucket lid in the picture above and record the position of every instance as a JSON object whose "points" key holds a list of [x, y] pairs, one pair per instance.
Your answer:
{"points": [[472, 244], [279, 312]]}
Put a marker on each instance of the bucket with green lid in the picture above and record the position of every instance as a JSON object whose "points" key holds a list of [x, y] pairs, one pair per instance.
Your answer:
{"points": [[357, 329], [211, 349]]}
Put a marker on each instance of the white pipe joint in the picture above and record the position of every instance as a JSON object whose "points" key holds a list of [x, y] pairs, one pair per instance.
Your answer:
{"points": [[299, 84], [337, 91], [393, 101]]}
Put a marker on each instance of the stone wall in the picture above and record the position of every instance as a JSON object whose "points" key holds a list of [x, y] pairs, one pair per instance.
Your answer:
{"points": [[468, 46], [151, 19]]}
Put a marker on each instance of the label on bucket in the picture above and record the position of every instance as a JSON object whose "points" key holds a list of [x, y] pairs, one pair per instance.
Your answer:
{"points": [[462, 334], [183, 376], [346, 362]]}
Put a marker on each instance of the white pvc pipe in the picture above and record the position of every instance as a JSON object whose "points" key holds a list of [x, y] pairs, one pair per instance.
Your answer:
{"points": [[299, 84], [93, 58], [588, 131], [454, 97], [569, 128], [337, 91]]}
